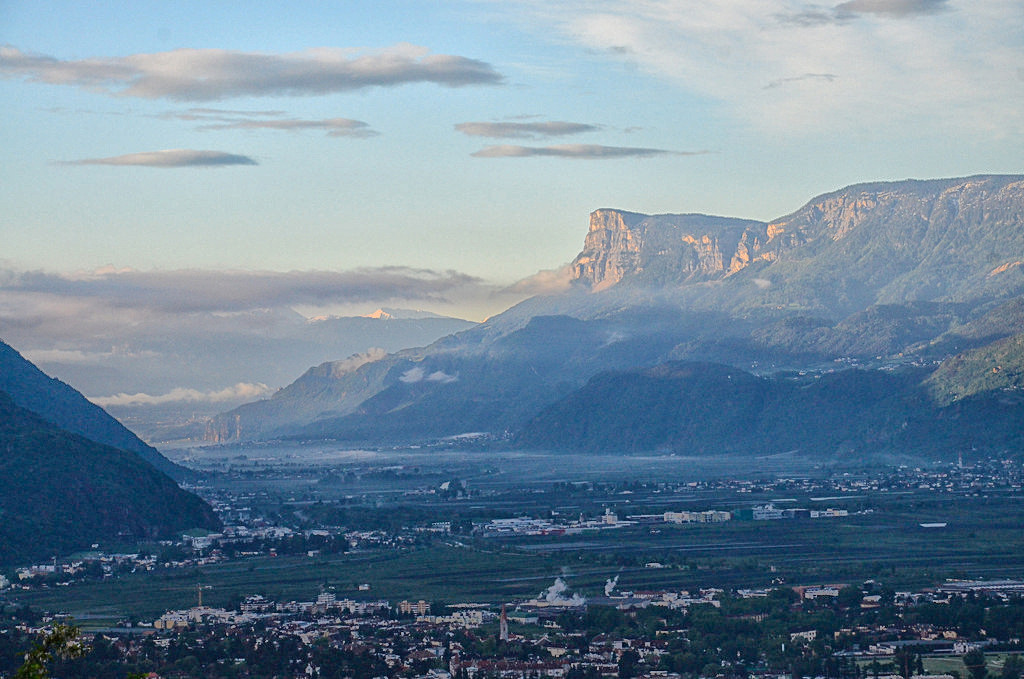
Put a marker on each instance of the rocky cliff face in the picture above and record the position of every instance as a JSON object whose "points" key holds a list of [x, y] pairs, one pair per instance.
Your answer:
{"points": [[912, 240], [951, 240], [663, 249]]}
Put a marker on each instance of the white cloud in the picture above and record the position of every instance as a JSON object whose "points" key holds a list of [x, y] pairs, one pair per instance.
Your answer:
{"points": [[948, 65], [441, 377], [79, 357], [545, 282], [208, 290], [576, 151], [418, 374], [240, 392], [214, 74], [412, 375], [353, 363], [781, 82], [896, 8], [552, 128], [221, 119], [171, 158], [335, 127]]}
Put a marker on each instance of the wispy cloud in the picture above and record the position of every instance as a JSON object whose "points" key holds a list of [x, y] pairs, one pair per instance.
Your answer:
{"points": [[79, 357], [907, 65], [811, 15], [545, 282], [894, 8], [220, 119], [356, 361], [577, 151], [553, 128], [417, 374], [827, 77], [335, 127], [170, 158], [215, 74], [242, 391], [193, 290], [204, 113]]}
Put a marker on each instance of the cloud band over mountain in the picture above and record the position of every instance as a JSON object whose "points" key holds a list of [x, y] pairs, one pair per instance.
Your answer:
{"points": [[242, 391], [205, 290]]}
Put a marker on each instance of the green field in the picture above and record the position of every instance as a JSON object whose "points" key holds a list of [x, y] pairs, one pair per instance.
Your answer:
{"points": [[950, 664], [881, 539], [983, 539], [440, 573]]}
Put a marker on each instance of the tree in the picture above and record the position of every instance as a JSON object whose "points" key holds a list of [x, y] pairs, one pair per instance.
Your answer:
{"points": [[850, 597], [904, 659], [627, 664], [61, 642], [974, 661], [1012, 667]]}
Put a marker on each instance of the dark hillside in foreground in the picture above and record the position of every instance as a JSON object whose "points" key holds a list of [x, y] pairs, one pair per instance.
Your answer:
{"points": [[63, 406], [60, 492]]}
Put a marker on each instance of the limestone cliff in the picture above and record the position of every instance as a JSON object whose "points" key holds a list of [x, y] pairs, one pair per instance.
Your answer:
{"points": [[950, 239], [663, 249]]}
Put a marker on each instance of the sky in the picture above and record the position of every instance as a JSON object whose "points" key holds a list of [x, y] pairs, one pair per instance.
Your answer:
{"points": [[168, 158]]}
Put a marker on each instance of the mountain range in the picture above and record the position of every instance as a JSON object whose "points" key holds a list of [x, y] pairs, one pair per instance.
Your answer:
{"points": [[915, 287]]}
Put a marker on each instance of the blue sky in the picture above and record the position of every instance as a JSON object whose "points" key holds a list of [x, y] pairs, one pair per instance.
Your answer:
{"points": [[430, 154]]}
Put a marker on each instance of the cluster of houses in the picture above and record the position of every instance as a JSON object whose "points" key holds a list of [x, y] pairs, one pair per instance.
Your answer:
{"points": [[536, 526], [256, 607], [769, 512], [413, 638], [98, 562], [533, 526]]}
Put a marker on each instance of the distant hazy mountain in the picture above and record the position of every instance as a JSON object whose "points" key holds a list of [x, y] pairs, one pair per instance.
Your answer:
{"points": [[162, 376], [880, 275], [66, 408], [403, 314], [61, 492]]}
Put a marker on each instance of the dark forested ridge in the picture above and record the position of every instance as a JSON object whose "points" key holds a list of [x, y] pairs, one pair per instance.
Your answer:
{"points": [[63, 406], [699, 408], [61, 492]]}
